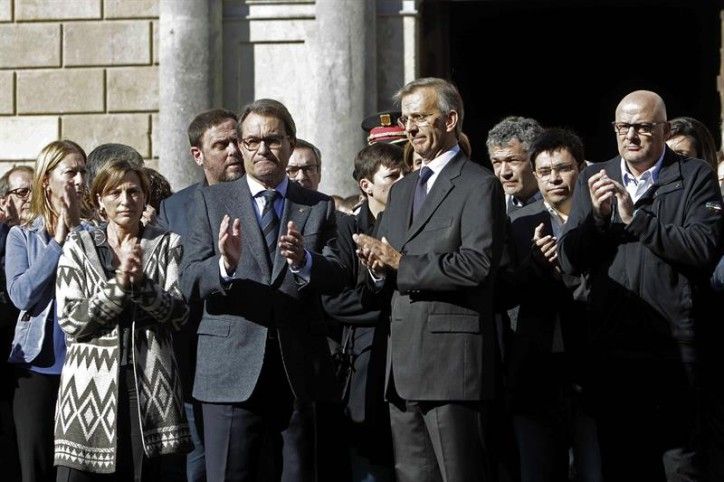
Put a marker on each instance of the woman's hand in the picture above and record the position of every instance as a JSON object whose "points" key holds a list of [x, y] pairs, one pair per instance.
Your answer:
{"points": [[69, 216], [130, 268]]}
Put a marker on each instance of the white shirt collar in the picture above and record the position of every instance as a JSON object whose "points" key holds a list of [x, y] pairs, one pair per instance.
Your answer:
{"points": [[651, 173], [256, 187], [439, 163], [637, 187]]}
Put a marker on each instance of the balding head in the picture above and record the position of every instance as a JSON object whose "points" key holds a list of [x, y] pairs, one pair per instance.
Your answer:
{"points": [[641, 129], [643, 99]]}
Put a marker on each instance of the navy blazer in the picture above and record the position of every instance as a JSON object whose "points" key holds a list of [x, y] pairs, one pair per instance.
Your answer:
{"points": [[173, 215]]}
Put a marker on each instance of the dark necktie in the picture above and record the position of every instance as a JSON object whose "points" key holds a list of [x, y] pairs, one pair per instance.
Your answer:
{"points": [[420, 190], [270, 223]]}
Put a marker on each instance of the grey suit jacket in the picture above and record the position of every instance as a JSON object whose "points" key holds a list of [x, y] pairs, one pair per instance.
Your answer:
{"points": [[442, 336], [237, 317]]}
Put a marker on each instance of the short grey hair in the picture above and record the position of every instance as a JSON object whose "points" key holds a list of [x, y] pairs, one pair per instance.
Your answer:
{"points": [[448, 96], [524, 129]]}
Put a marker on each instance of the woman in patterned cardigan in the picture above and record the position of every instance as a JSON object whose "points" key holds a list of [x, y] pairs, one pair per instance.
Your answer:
{"points": [[120, 402]]}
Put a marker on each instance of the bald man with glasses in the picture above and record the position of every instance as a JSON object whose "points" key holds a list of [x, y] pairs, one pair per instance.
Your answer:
{"points": [[645, 230]]}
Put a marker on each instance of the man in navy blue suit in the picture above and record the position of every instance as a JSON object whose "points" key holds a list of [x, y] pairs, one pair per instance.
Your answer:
{"points": [[215, 148]]}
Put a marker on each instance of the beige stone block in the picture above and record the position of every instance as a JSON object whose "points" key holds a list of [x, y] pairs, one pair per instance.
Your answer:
{"points": [[154, 135], [6, 11], [30, 45], [132, 88], [92, 130], [131, 8], [119, 42], [7, 90], [24, 137], [60, 91], [57, 9]]}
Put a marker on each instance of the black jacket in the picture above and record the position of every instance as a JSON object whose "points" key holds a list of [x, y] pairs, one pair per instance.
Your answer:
{"points": [[645, 279]]}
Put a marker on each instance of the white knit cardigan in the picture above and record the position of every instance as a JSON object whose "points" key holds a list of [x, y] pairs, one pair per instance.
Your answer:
{"points": [[89, 305]]}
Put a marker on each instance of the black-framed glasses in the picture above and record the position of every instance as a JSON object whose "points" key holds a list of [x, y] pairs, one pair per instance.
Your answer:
{"points": [[641, 128], [417, 119], [20, 192], [272, 142], [310, 169], [545, 173]]}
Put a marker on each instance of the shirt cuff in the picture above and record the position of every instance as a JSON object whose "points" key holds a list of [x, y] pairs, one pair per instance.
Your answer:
{"points": [[305, 272], [378, 281], [225, 277]]}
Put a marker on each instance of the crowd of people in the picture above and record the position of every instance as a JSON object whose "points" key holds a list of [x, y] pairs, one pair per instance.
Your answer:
{"points": [[552, 319]]}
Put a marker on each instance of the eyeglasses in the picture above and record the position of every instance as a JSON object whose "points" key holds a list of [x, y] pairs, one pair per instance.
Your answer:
{"points": [[20, 192], [417, 119], [642, 128], [544, 173], [292, 171], [272, 142]]}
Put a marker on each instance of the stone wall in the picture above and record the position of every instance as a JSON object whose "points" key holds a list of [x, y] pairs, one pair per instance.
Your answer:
{"points": [[85, 70]]}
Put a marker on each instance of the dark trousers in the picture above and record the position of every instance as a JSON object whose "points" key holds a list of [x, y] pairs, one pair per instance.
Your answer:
{"points": [[34, 414], [131, 463], [439, 441], [645, 412], [8, 440], [544, 442], [271, 433]]}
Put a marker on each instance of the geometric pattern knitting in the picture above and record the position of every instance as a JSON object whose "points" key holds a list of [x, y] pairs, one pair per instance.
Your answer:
{"points": [[89, 305]]}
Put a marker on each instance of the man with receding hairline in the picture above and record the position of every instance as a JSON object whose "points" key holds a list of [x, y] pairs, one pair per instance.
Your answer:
{"points": [[255, 258], [645, 230], [214, 147]]}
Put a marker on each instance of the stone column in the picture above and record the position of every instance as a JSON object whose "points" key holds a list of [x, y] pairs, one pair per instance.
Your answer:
{"points": [[190, 79], [345, 93]]}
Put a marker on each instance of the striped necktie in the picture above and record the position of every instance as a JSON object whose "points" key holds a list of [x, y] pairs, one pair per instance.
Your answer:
{"points": [[270, 223]]}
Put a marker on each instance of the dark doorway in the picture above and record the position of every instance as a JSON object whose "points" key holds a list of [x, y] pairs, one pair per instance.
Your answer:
{"points": [[569, 62]]}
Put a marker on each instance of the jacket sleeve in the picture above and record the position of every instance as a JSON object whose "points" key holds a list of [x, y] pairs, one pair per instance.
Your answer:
{"points": [[29, 283], [200, 275], [476, 260], [82, 314], [349, 306], [328, 275], [584, 241], [165, 304], [695, 243]]}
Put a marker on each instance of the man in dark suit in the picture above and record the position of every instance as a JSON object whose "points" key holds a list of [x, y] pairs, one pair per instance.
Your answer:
{"points": [[441, 241], [215, 148], [645, 229], [547, 359], [254, 257], [508, 143], [365, 322]]}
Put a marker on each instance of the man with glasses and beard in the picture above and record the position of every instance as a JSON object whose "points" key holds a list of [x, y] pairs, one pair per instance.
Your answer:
{"points": [[215, 148]]}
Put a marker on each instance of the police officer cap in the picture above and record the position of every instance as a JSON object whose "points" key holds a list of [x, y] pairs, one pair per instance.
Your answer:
{"points": [[382, 127]]}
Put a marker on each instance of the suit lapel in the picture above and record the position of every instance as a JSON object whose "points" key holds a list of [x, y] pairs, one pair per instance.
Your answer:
{"points": [[240, 205], [297, 213], [443, 185]]}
